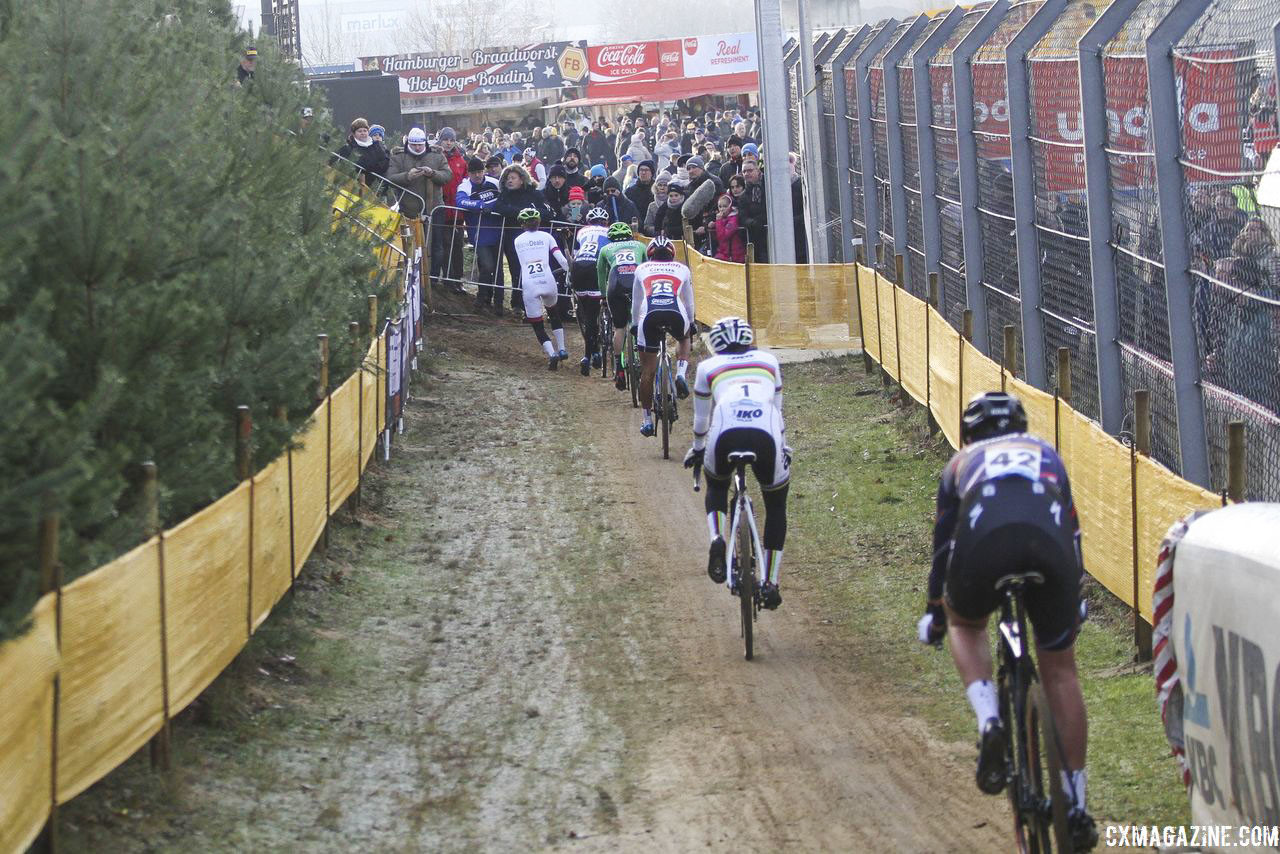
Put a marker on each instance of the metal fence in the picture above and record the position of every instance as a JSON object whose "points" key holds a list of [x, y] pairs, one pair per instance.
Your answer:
{"points": [[1101, 177]]}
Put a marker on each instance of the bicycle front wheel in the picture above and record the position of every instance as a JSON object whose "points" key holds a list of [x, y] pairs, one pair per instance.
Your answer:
{"points": [[746, 576], [1046, 823]]}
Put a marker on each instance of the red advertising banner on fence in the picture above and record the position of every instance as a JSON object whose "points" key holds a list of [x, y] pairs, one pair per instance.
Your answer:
{"points": [[633, 62], [674, 68], [552, 65], [990, 110]]}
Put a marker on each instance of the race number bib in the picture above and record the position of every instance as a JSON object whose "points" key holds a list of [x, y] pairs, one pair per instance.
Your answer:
{"points": [[1015, 462], [624, 256], [535, 268]]}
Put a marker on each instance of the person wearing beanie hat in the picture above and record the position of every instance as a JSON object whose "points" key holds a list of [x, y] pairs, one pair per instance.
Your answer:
{"points": [[494, 165], [576, 210], [733, 162], [668, 221], [378, 132], [447, 133], [418, 168], [368, 154], [556, 190], [752, 149], [619, 206], [640, 193], [699, 208], [478, 196], [573, 173], [446, 241], [577, 194], [660, 185]]}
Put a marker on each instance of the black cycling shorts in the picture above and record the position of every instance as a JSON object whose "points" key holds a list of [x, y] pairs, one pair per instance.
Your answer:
{"points": [[583, 277], [1016, 529], [619, 297], [655, 325]]}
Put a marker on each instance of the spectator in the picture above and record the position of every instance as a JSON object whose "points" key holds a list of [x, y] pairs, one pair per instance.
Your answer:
{"points": [[478, 196], [740, 131], [752, 213], [446, 241], [640, 193], [666, 149], [637, 149], [699, 207], [1213, 240], [367, 153], [556, 192], [733, 165], [797, 209], [493, 167], [511, 147], [571, 139], [244, 71], [536, 168], [711, 157], [518, 192], [667, 221], [730, 245], [660, 185], [551, 148], [575, 211], [595, 185], [573, 174], [724, 126], [597, 146], [421, 170], [619, 206], [688, 138]]}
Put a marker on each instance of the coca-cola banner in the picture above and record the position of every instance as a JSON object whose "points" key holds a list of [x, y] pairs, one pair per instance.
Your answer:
{"points": [[710, 56], [551, 65], [634, 62]]}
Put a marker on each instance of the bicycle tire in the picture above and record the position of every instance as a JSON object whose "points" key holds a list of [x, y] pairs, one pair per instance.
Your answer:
{"points": [[665, 418], [746, 586], [632, 369], [605, 332], [1050, 832]]}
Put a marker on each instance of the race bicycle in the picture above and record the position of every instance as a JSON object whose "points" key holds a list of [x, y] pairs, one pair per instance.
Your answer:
{"points": [[631, 364], [664, 396], [746, 558], [1035, 752], [605, 336]]}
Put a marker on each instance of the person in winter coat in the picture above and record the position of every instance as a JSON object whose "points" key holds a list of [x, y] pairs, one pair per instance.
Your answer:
{"points": [[699, 207], [369, 155], [518, 192], [730, 244], [446, 238], [551, 148], [619, 206], [536, 168], [597, 147], [751, 209], [660, 185], [797, 210], [666, 149], [556, 192], [478, 196], [637, 149], [572, 172], [640, 193], [667, 221], [422, 170], [595, 185]]}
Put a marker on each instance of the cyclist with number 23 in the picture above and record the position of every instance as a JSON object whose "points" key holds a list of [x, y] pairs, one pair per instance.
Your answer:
{"points": [[661, 303], [737, 406], [536, 249], [1004, 508]]}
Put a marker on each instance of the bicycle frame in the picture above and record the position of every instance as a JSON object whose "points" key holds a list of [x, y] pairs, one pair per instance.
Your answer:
{"points": [[742, 509]]}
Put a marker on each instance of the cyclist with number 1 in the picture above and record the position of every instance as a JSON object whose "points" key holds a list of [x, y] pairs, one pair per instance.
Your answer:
{"points": [[615, 270], [1005, 509], [737, 406], [536, 250], [661, 303]]}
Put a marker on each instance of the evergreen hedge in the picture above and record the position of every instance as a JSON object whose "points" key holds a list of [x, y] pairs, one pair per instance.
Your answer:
{"points": [[167, 254]]}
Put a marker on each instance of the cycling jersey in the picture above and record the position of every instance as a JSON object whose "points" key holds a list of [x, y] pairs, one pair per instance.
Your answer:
{"points": [[615, 270], [535, 251], [1004, 507], [590, 240], [665, 286], [738, 406]]}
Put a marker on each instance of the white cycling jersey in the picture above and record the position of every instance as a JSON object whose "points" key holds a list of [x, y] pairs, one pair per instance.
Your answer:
{"points": [[661, 286], [535, 251], [587, 245], [734, 390]]}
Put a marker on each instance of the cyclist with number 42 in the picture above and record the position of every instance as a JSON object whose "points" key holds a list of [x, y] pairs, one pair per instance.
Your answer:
{"points": [[615, 270], [536, 249], [737, 406], [1004, 509], [661, 302]]}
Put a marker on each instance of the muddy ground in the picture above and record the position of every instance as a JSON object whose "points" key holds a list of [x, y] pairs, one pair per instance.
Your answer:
{"points": [[513, 645]]}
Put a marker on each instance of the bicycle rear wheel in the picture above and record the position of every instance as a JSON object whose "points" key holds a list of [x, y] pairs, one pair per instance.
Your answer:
{"points": [[665, 417], [746, 575], [633, 369], [606, 341], [1047, 829]]}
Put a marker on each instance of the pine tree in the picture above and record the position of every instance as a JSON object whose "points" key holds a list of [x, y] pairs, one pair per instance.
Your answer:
{"points": [[168, 255]]}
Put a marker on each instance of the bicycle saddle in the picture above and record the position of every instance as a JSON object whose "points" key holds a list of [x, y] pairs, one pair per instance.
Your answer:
{"points": [[742, 456], [1019, 579]]}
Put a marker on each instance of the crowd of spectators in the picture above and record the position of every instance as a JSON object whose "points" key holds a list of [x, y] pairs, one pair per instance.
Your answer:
{"points": [[661, 173]]}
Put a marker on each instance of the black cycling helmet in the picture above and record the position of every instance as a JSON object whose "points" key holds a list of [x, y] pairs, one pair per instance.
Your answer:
{"points": [[992, 414], [660, 249]]}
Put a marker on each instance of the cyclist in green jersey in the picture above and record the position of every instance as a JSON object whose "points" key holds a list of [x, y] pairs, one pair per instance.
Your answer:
{"points": [[614, 269]]}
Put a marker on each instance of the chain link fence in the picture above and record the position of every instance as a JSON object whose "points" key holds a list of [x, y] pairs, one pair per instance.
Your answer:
{"points": [[1224, 87]]}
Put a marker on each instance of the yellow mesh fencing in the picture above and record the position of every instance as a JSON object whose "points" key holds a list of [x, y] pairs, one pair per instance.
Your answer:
{"points": [[309, 489], [720, 287], [28, 666], [1105, 486], [272, 570], [345, 466], [801, 306], [111, 677]]}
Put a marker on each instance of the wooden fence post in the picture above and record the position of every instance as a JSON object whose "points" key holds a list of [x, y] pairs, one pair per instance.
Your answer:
{"points": [[282, 415], [966, 337], [903, 397], [862, 320], [1061, 394], [928, 354], [51, 582], [1141, 445], [359, 354], [875, 278], [1235, 461], [322, 394], [160, 745], [373, 316], [244, 435]]}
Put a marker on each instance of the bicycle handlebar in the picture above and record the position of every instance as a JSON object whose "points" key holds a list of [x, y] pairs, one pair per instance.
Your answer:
{"points": [[697, 475]]}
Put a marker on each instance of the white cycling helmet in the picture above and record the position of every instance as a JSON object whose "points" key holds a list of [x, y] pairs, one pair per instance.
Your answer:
{"points": [[730, 331], [599, 214]]}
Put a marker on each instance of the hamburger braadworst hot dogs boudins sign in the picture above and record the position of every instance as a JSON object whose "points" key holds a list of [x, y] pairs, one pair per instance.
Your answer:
{"points": [[551, 65]]}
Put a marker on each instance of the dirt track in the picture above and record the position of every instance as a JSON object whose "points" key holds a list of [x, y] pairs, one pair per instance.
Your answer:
{"points": [[540, 661]]}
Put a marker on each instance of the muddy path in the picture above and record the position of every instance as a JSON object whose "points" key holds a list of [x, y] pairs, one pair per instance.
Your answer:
{"points": [[521, 650]]}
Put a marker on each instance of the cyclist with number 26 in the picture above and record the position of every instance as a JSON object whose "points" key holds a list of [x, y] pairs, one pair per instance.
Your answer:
{"points": [[661, 302], [737, 406], [1005, 510], [536, 249]]}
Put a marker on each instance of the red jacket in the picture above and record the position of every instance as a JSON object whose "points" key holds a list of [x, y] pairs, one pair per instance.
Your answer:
{"points": [[458, 166], [730, 244]]}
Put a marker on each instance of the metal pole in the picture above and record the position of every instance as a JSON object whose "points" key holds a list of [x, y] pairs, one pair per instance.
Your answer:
{"points": [[967, 155], [932, 230], [1017, 88], [1106, 300], [1166, 126], [815, 196], [870, 200], [893, 133], [840, 105], [782, 247]]}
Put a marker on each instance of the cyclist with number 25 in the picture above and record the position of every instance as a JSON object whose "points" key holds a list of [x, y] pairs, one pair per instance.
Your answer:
{"points": [[1005, 510], [536, 249], [661, 302], [737, 406]]}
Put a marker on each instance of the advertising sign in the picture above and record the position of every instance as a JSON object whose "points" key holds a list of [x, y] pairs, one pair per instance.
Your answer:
{"points": [[710, 56], [633, 62], [672, 68], [551, 65]]}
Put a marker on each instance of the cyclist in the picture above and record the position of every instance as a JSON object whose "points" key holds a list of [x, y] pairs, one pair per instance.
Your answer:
{"points": [[1004, 507], [661, 302], [584, 281], [536, 249], [737, 406], [615, 270]]}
